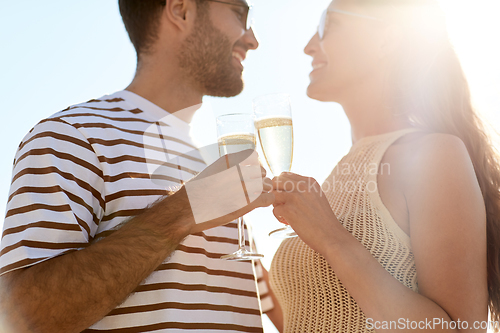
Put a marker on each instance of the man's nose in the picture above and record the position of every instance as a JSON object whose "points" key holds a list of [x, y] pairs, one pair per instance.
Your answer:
{"points": [[250, 40]]}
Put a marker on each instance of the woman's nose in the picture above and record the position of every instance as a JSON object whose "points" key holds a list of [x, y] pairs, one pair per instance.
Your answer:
{"points": [[312, 46]]}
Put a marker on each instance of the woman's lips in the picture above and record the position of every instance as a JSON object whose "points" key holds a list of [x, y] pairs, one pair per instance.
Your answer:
{"points": [[318, 65]]}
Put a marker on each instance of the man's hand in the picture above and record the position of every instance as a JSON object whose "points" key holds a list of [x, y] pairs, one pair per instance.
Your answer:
{"points": [[232, 186]]}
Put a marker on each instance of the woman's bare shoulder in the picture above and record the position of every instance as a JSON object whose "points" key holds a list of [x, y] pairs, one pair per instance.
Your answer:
{"points": [[425, 160], [429, 142], [416, 163], [425, 149], [437, 163]]}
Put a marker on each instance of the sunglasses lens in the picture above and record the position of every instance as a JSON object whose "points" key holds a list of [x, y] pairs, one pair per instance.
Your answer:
{"points": [[250, 18], [321, 27]]}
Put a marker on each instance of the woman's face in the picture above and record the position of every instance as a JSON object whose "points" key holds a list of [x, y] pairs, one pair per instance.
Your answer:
{"points": [[350, 56]]}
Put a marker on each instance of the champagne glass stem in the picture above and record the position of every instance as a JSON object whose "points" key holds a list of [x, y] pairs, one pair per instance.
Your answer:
{"points": [[236, 133], [241, 234]]}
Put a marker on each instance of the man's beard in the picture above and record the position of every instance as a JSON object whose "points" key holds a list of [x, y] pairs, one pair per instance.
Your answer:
{"points": [[206, 56]]}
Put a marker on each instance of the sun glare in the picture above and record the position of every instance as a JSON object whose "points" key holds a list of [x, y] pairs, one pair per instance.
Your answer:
{"points": [[475, 30]]}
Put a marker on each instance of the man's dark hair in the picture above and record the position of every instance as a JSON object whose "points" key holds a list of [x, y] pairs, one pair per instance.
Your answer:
{"points": [[142, 18]]}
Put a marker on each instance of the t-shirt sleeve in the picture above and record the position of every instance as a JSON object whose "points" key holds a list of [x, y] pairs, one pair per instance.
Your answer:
{"points": [[56, 197]]}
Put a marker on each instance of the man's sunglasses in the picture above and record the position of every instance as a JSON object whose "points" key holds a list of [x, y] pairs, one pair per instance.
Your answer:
{"points": [[246, 18], [323, 22]]}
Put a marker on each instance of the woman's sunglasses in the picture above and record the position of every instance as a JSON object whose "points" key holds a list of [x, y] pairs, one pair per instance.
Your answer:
{"points": [[324, 19]]}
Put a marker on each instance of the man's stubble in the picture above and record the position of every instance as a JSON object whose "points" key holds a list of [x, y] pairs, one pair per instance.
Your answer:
{"points": [[206, 56]]}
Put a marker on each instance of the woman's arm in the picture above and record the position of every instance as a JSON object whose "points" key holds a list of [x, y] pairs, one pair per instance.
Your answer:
{"points": [[448, 237], [276, 313]]}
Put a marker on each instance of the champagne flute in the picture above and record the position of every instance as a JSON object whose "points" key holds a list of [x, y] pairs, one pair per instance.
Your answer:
{"points": [[273, 120], [236, 132]]}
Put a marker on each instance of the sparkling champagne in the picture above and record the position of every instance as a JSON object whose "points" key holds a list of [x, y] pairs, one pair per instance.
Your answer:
{"points": [[234, 143], [276, 139]]}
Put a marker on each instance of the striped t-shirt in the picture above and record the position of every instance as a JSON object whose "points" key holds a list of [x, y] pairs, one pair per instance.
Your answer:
{"points": [[81, 173]]}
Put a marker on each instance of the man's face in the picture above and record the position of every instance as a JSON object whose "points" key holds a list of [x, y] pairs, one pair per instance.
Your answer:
{"points": [[212, 54]]}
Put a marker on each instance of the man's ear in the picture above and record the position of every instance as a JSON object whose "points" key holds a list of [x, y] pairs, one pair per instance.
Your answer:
{"points": [[180, 13]]}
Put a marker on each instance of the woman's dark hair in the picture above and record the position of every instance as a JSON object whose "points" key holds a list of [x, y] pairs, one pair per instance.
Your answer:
{"points": [[433, 93], [141, 19]]}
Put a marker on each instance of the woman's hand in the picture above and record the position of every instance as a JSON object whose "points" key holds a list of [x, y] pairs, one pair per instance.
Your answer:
{"points": [[300, 202]]}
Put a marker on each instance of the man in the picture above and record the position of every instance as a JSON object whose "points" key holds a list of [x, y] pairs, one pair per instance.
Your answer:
{"points": [[90, 242]]}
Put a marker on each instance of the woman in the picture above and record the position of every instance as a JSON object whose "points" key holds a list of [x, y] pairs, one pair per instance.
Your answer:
{"points": [[404, 234]]}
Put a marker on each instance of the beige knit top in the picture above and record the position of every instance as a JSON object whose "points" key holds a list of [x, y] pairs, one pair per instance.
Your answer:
{"points": [[313, 299]]}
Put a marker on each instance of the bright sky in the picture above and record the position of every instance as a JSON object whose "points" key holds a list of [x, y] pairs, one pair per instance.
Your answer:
{"points": [[58, 53]]}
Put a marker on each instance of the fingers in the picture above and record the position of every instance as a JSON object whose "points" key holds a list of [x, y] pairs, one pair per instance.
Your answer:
{"points": [[264, 200], [267, 185], [262, 174], [278, 212], [279, 197], [247, 158], [288, 176], [290, 182], [284, 179]]}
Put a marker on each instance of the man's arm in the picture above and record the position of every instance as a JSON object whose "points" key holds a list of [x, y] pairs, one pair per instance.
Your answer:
{"points": [[71, 292]]}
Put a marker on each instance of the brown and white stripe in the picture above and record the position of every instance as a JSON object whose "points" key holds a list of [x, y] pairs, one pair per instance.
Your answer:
{"points": [[81, 173]]}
